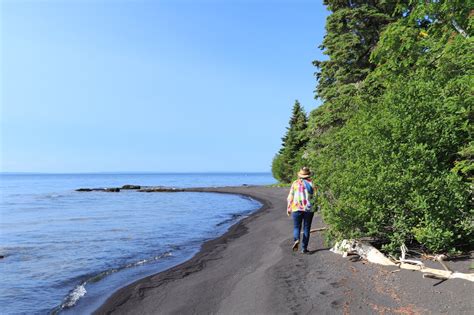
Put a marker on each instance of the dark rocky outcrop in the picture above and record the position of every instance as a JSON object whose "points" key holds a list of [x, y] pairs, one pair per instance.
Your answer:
{"points": [[137, 188], [161, 189], [131, 187], [114, 189], [111, 189]]}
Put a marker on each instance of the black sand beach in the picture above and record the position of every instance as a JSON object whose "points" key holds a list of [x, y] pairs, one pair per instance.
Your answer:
{"points": [[252, 270]]}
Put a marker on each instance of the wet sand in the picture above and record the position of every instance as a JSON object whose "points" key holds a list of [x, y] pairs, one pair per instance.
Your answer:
{"points": [[252, 270]]}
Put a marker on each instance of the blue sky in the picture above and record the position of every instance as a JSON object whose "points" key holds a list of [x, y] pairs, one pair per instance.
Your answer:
{"points": [[163, 86]]}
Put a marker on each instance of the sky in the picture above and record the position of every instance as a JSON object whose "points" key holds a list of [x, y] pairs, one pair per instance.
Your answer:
{"points": [[153, 86]]}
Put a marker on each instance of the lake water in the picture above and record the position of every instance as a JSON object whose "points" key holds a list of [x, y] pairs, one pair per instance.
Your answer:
{"points": [[67, 251]]}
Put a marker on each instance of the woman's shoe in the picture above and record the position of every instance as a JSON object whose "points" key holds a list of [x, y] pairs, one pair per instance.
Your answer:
{"points": [[304, 251], [295, 245]]}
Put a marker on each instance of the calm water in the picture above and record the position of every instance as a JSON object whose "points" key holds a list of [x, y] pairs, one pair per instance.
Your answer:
{"points": [[68, 251]]}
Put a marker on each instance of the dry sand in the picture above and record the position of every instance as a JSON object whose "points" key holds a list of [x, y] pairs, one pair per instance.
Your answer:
{"points": [[252, 270]]}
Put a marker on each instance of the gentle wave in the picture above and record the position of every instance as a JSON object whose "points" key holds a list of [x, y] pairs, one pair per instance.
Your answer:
{"points": [[74, 296], [234, 217], [79, 290]]}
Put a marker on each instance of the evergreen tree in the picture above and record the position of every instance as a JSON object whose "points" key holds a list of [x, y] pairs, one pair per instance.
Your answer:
{"points": [[288, 160], [398, 165], [352, 32]]}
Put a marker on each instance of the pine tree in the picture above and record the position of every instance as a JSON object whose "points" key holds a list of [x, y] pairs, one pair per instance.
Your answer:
{"points": [[288, 159], [352, 33]]}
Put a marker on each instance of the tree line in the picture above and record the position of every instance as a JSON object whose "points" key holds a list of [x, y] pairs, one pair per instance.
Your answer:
{"points": [[391, 144]]}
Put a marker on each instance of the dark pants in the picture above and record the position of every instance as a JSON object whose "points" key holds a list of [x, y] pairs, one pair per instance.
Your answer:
{"points": [[306, 217]]}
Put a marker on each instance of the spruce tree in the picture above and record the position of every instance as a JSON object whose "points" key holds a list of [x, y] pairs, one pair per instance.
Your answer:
{"points": [[288, 159], [391, 145], [352, 33]]}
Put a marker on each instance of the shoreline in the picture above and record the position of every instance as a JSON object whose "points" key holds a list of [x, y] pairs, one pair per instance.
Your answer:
{"points": [[208, 248], [93, 302], [251, 269]]}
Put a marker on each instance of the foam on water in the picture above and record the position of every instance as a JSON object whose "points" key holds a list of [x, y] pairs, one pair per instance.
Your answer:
{"points": [[74, 296], [79, 291]]}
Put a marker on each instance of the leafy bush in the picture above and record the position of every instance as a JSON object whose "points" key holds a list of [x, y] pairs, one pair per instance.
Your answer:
{"points": [[399, 169]]}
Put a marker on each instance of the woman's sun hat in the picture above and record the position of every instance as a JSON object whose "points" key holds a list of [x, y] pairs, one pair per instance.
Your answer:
{"points": [[304, 173]]}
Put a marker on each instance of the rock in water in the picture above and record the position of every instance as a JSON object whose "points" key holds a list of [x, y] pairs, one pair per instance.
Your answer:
{"points": [[131, 187], [112, 189]]}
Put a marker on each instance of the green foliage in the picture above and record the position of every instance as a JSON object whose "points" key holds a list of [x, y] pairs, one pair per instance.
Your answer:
{"points": [[387, 174], [351, 34], [465, 164], [289, 158], [391, 145], [279, 168]]}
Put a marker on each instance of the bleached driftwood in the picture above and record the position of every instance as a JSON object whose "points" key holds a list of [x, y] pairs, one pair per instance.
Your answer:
{"points": [[368, 252], [445, 274], [402, 259], [439, 274], [373, 255]]}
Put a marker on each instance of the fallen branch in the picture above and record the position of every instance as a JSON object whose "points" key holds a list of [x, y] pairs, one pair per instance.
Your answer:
{"points": [[442, 274], [373, 255], [440, 259], [402, 259]]}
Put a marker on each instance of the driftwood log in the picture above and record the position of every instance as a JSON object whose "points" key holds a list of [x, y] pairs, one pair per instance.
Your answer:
{"points": [[373, 255], [365, 251]]}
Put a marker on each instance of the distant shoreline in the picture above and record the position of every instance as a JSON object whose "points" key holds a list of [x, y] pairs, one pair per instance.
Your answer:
{"points": [[131, 173]]}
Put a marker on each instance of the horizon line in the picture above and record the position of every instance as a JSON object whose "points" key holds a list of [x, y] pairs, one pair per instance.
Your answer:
{"points": [[131, 172]]}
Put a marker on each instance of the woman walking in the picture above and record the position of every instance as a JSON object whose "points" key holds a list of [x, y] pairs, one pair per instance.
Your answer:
{"points": [[299, 206]]}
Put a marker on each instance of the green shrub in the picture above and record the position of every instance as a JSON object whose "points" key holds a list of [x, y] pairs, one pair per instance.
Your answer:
{"points": [[391, 171]]}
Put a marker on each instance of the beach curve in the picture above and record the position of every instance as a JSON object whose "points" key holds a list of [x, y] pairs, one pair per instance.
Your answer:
{"points": [[251, 270]]}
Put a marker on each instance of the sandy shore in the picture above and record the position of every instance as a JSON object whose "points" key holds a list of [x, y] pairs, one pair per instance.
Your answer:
{"points": [[252, 270]]}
